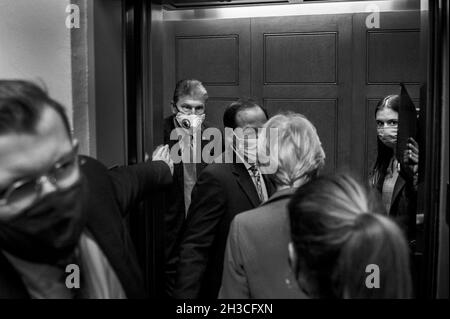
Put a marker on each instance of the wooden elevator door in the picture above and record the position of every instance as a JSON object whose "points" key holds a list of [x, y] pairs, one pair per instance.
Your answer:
{"points": [[330, 68]]}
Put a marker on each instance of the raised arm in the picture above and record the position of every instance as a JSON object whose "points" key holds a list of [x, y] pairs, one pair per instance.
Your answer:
{"points": [[133, 183]]}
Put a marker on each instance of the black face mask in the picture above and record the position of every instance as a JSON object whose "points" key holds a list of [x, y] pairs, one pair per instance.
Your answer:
{"points": [[48, 231]]}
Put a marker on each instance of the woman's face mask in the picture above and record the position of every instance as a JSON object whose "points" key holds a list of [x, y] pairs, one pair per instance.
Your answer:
{"points": [[388, 136], [387, 127]]}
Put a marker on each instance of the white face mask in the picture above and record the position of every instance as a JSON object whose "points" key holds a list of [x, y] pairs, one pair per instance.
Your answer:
{"points": [[388, 135], [247, 148], [189, 121]]}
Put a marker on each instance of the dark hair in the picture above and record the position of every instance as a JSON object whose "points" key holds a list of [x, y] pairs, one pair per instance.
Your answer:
{"points": [[384, 153], [22, 104], [229, 116], [337, 230], [189, 87]]}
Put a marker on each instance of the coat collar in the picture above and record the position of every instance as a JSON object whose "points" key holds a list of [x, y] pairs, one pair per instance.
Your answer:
{"points": [[280, 195]]}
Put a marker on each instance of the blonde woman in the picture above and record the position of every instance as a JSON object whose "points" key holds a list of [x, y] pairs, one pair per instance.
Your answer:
{"points": [[256, 257]]}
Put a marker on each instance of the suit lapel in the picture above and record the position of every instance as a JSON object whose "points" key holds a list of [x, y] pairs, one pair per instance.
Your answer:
{"points": [[245, 182]]}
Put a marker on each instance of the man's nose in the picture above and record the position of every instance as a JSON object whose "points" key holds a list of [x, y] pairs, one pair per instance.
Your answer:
{"points": [[47, 186]]}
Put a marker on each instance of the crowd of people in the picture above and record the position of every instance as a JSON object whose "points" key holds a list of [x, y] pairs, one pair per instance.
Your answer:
{"points": [[232, 229]]}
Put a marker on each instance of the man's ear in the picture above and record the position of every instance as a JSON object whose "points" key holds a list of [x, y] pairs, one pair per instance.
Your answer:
{"points": [[293, 260], [174, 107]]}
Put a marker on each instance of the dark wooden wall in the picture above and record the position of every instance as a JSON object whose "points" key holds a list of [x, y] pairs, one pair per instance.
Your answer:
{"points": [[381, 59], [330, 68], [217, 52], [301, 65]]}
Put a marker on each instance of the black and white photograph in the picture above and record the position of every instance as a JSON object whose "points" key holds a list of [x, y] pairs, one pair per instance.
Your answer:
{"points": [[219, 157]]}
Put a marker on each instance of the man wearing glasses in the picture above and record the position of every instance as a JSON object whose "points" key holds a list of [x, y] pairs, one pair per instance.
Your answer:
{"points": [[58, 209]]}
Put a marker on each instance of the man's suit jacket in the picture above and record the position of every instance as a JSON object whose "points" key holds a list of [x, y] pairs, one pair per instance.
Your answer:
{"points": [[110, 196], [222, 191], [175, 209], [256, 257]]}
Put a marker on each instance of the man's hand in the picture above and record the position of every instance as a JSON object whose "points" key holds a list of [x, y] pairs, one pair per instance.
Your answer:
{"points": [[162, 153]]}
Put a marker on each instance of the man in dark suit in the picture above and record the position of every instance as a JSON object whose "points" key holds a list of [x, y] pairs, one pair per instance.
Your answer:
{"points": [[61, 216], [183, 132], [222, 191]]}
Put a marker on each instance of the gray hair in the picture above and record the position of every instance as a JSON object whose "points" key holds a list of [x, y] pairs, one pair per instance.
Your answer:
{"points": [[299, 153], [189, 87]]}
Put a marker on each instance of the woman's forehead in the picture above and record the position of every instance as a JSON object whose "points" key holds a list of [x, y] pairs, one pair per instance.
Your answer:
{"points": [[386, 113]]}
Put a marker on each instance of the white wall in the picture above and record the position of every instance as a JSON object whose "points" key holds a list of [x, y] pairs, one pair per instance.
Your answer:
{"points": [[35, 44]]}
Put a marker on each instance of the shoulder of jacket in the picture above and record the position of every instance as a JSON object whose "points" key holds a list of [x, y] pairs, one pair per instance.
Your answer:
{"points": [[87, 162]]}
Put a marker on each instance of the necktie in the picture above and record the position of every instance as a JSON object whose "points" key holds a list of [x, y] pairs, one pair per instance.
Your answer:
{"points": [[257, 175]]}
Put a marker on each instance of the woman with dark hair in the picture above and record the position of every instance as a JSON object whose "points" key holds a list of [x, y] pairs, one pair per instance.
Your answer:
{"points": [[341, 247], [398, 190]]}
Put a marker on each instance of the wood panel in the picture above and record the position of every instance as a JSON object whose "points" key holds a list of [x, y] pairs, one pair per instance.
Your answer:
{"points": [[391, 55], [303, 64], [218, 56], [300, 58], [381, 59], [322, 113], [215, 109]]}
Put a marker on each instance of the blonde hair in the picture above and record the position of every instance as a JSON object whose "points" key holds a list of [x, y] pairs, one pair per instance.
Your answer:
{"points": [[337, 233], [299, 154]]}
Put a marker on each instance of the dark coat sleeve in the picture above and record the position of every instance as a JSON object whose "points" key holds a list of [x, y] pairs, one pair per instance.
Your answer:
{"points": [[133, 183], [208, 205]]}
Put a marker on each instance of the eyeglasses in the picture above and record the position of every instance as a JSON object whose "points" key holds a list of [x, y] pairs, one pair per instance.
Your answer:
{"points": [[23, 193]]}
